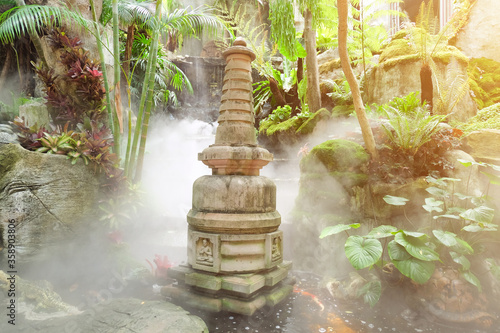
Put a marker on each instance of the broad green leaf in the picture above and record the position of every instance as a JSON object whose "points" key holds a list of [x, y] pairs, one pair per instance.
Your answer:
{"points": [[445, 237], [461, 196], [471, 278], [362, 252], [382, 231], [431, 205], [494, 179], [461, 260], [335, 229], [465, 163], [438, 192], [441, 181], [416, 247], [397, 252], [416, 269], [477, 227], [462, 247], [481, 214], [416, 234], [371, 292], [395, 201], [447, 216], [494, 268]]}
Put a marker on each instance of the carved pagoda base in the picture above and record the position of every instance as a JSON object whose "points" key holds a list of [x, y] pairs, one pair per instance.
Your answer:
{"points": [[238, 293]]}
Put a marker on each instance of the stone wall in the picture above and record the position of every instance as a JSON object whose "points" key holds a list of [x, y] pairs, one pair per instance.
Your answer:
{"points": [[479, 37]]}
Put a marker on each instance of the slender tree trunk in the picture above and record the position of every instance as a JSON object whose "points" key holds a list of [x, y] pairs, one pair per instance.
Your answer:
{"points": [[300, 70], [426, 86], [366, 130], [128, 50], [118, 119], [5, 69], [312, 71]]}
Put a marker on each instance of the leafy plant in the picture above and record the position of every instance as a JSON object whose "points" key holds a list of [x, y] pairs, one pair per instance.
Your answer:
{"points": [[456, 233], [410, 132], [123, 207]]}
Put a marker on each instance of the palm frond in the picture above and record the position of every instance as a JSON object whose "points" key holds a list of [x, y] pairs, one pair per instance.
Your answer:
{"points": [[190, 22], [31, 19]]}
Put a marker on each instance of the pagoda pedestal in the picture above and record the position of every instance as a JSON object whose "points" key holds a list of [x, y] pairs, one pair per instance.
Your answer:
{"points": [[235, 249]]}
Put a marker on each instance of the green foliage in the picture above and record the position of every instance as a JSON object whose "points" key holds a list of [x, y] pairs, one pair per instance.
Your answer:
{"points": [[485, 77], [452, 239], [31, 19], [283, 28], [123, 208], [487, 118], [410, 131]]}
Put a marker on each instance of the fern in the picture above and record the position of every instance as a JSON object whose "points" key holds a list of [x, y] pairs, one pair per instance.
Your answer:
{"points": [[451, 90]]}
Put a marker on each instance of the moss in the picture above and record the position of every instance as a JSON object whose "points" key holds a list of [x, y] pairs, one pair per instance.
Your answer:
{"points": [[484, 75], [329, 66], [342, 110], [308, 126], [397, 48], [487, 118], [335, 156], [291, 125], [9, 155]]}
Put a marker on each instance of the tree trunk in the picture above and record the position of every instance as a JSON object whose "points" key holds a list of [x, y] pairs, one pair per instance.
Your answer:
{"points": [[426, 85], [366, 130], [275, 90], [312, 71], [128, 50]]}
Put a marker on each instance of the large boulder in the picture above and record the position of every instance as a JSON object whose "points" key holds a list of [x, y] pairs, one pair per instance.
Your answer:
{"points": [[484, 145], [398, 74], [482, 28], [44, 199], [118, 315], [328, 174]]}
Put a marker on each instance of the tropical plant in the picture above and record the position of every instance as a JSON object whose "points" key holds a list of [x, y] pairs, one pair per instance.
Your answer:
{"points": [[453, 238], [410, 131]]}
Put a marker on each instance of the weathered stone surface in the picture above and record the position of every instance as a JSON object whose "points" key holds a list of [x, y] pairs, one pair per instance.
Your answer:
{"points": [[235, 194], [484, 145], [7, 135], [117, 316], [477, 38], [34, 113], [47, 198], [400, 79]]}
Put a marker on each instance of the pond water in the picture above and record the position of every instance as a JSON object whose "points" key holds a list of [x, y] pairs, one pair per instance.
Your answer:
{"points": [[311, 309]]}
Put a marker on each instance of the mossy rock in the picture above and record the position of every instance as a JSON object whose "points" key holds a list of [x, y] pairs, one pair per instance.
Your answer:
{"points": [[399, 50], [329, 66], [308, 126], [487, 118], [335, 156], [288, 126], [485, 81]]}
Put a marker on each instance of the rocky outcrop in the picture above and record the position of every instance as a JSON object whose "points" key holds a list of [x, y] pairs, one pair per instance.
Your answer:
{"points": [[119, 315], [484, 145], [399, 79], [477, 38], [47, 199]]}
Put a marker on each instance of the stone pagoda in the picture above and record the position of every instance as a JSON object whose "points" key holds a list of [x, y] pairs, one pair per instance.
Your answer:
{"points": [[235, 250]]}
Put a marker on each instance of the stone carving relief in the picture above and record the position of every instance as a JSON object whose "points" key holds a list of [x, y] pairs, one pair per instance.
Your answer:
{"points": [[276, 249], [204, 252]]}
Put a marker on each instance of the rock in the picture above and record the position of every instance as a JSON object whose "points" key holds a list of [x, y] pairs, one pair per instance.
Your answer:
{"points": [[474, 39], [45, 197], [328, 172], [33, 113], [120, 315], [484, 145], [398, 74], [7, 135]]}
